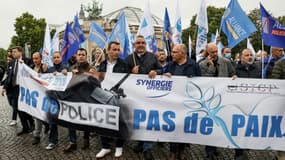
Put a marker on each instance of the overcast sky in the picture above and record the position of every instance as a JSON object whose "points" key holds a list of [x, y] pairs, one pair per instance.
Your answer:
{"points": [[60, 11]]}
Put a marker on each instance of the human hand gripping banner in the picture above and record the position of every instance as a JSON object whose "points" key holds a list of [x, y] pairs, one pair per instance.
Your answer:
{"points": [[241, 113]]}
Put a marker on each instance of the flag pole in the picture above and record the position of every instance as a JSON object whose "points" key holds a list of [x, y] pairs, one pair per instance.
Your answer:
{"points": [[195, 35], [262, 59]]}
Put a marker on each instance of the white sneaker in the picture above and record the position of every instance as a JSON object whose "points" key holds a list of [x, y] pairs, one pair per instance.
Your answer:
{"points": [[50, 146], [13, 123], [118, 152], [103, 153]]}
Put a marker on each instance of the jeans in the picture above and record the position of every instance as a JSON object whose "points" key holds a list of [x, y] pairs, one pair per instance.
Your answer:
{"points": [[53, 134], [147, 146], [72, 135], [13, 101], [38, 128]]}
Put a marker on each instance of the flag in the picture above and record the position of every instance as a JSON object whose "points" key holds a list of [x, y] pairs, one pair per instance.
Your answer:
{"points": [[154, 44], [220, 44], [46, 54], [146, 27], [273, 33], [55, 42], [250, 47], [132, 41], [70, 44], [220, 47], [235, 24], [77, 30], [190, 45], [128, 42], [119, 34], [166, 28], [213, 38], [177, 33], [97, 35], [266, 60], [202, 22]]}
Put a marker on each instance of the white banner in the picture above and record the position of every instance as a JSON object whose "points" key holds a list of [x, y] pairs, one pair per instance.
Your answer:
{"points": [[105, 116], [241, 113], [32, 97]]}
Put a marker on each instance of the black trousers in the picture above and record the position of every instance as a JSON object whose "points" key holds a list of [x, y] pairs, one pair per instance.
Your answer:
{"points": [[27, 120], [106, 142]]}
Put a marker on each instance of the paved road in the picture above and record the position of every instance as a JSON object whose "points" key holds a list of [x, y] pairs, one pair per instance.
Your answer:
{"points": [[14, 147]]}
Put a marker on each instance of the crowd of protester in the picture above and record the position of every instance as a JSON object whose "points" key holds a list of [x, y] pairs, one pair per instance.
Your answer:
{"points": [[175, 61]]}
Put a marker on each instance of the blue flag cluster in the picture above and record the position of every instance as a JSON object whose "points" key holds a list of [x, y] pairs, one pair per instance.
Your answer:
{"points": [[78, 31], [119, 34], [70, 44], [166, 27], [235, 24], [273, 33]]}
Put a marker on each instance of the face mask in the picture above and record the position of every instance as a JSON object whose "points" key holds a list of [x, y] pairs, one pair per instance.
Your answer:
{"points": [[258, 58], [228, 55]]}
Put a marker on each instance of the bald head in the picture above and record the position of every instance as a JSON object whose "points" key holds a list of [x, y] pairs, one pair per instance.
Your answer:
{"points": [[179, 53], [277, 52], [212, 50], [37, 58]]}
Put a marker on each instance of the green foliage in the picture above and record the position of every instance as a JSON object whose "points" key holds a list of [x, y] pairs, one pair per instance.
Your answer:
{"points": [[94, 10], [3, 55], [29, 30], [214, 17]]}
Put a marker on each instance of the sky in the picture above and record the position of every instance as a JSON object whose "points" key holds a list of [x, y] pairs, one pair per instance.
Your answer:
{"points": [[61, 11]]}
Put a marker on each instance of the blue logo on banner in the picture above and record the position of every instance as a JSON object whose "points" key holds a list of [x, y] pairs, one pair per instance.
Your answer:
{"points": [[157, 88]]}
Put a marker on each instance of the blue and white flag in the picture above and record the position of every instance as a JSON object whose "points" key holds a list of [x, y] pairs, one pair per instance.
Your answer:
{"points": [[128, 49], [202, 22], [166, 28], [77, 30], [177, 33], [235, 24], [55, 42], [97, 35], [70, 44], [119, 34], [273, 33], [250, 47], [154, 44], [146, 27], [220, 44], [46, 54]]}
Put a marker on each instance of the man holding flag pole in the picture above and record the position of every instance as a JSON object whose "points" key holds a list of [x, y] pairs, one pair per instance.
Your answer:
{"points": [[273, 34]]}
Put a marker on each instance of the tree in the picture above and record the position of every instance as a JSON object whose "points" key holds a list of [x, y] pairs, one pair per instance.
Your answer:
{"points": [[29, 30], [3, 55], [94, 10]]}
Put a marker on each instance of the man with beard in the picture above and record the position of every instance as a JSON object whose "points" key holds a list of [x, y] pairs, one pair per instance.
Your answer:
{"points": [[247, 68], [143, 62], [162, 59]]}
